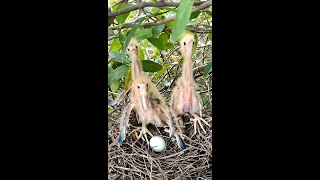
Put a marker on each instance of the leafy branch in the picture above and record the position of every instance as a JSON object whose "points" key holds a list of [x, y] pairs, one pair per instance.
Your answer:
{"points": [[147, 4], [164, 21], [192, 29]]}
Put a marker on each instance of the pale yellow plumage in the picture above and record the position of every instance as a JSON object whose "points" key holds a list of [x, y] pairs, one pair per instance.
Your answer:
{"points": [[146, 101], [185, 98]]}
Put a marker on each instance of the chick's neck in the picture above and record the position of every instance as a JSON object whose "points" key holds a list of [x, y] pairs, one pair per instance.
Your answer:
{"points": [[187, 70]]}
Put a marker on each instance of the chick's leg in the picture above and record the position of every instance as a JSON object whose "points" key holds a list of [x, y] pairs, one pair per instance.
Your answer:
{"points": [[197, 119], [195, 110], [124, 122], [177, 105], [143, 132], [172, 131], [165, 115], [180, 125], [177, 100]]}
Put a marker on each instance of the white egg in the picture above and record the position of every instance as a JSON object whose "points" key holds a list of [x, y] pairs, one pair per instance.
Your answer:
{"points": [[157, 143]]}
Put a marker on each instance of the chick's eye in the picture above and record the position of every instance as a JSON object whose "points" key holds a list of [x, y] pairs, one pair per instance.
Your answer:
{"points": [[137, 47], [184, 43], [193, 43], [128, 49], [138, 87], [147, 85]]}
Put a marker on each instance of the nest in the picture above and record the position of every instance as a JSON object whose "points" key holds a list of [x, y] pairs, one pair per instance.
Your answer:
{"points": [[134, 160]]}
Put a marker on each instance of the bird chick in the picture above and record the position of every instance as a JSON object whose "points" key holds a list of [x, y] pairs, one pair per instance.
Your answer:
{"points": [[152, 108], [184, 97], [136, 63], [146, 101], [136, 71]]}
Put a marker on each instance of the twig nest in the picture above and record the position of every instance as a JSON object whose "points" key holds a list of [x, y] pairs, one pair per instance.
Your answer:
{"points": [[157, 143]]}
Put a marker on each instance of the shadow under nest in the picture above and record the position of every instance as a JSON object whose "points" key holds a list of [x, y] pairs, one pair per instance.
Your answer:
{"points": [[138, 161]]}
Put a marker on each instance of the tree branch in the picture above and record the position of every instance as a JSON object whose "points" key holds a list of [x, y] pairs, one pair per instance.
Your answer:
{"points": [[205, 91], [110, 20], [193, 29], [147, 4], [164, 21]]}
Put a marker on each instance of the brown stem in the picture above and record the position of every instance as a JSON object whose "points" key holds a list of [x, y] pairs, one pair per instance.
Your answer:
{"points": [[193, 29], [163, 21], [147, 4]]}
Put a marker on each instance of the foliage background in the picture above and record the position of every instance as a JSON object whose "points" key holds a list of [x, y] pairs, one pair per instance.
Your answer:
{"points": [[157, 25]]}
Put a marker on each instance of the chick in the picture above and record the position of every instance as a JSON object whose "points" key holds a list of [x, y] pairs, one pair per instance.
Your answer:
{"points": [[151, 108], [136, 71], [146, 101], [184, 98]]}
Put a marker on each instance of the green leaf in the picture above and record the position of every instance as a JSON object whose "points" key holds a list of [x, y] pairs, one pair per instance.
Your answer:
{"points": [[154, 9], [127, 79], [169, 46], [122, 38], [164, 68], [132, 31], [163, 38], [156, 30], [145, 43], [116, 45], [143, 34], [110, 32], [125, 31], [114, 86], [210, 36], [170, 24], [150, 66], [161, 16], [118, 73], [110, 70], [182, 17], [140, 53], [119, 57], [195, 14], [207, 69], [181, 61], [114, 8], [156, 43], [122, 18]]}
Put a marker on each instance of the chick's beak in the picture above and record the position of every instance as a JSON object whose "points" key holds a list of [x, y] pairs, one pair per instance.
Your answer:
{"points": [[143, 96], [190, 44], [144, 102], [134, 50]]}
